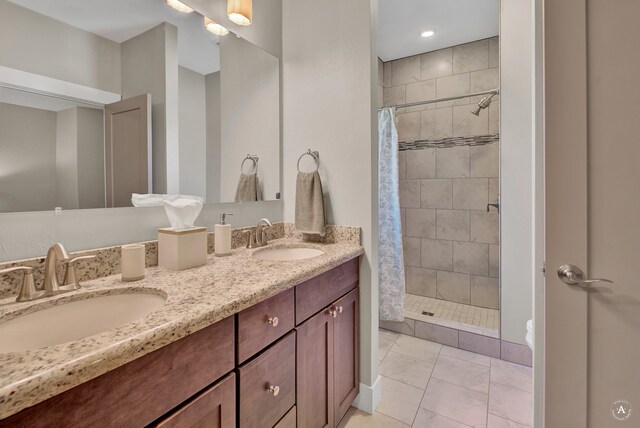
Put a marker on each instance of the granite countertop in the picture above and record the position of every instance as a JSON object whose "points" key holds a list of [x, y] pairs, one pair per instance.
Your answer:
{"points": [[196, 298]]}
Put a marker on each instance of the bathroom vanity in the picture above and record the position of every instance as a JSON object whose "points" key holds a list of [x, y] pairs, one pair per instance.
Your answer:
{"points": [[280, 353]]}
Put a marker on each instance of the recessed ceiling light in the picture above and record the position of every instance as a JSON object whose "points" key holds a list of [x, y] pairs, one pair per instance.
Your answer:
{"points": [[179, 6], [427, 33]]}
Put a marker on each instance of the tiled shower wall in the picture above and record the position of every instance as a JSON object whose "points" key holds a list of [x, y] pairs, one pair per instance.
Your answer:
{"points": [[451, 243]]}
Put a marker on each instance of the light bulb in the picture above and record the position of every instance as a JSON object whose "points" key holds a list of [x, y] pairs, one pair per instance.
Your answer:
{"points": [[179, 6], [240, 11], [215, 28]]}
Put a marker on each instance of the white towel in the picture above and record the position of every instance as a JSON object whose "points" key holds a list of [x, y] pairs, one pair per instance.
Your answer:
{"points": [[310, 216]]}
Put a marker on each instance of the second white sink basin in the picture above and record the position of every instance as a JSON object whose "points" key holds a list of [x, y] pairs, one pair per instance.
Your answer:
{"points": [[75, 320], [287, 254]]}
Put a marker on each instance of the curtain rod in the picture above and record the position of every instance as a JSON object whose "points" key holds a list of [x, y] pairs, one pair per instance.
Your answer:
{"points": [[437, 100]]}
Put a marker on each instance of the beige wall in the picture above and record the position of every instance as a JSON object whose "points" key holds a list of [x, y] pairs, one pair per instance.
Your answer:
{"points": [[193, 132], [451, 243], [28, 159], [41, 45], [91, 181], [250, 103], [80, 158], [330, 78], [67, 159], [214, 136], [519, 189], [149, 61]]}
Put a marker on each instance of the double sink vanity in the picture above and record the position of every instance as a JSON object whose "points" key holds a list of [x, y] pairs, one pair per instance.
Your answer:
{"points": [[265, 337]]}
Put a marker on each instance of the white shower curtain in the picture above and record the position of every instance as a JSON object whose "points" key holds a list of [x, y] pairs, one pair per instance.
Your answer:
{"points": [[390, 259]]}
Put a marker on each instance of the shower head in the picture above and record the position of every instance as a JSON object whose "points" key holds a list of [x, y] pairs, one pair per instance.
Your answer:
{"points": [[483, 104]]}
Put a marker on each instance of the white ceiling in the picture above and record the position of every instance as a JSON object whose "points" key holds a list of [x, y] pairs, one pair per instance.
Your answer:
{"points": [[400, 23], [120, 20]]}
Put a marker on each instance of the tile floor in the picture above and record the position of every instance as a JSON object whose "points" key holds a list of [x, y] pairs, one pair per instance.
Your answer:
{"points": [[451, 311], [428, 385]]}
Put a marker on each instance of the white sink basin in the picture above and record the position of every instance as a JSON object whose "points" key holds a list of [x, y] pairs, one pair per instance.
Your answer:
{"points": [[287, 254], [75, 320]]}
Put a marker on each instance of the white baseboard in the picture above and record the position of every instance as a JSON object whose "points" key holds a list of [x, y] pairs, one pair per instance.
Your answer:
{"points": [[369, 396]]}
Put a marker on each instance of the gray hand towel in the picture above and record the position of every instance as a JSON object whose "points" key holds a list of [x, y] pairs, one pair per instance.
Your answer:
{"points": [[248, 188], [310, 217]]}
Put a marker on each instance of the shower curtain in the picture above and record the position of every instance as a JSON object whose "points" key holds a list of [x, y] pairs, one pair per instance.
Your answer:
{"points": [[390, 259]]}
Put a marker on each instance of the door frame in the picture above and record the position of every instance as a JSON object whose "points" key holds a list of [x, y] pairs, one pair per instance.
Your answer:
{"points": [[561, 131]]}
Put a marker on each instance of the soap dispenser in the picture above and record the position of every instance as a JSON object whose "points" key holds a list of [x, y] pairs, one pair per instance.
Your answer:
{"points": [[222, 236]]}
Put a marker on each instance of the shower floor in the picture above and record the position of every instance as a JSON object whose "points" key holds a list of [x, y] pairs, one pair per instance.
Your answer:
{"points": [[474, 319]]}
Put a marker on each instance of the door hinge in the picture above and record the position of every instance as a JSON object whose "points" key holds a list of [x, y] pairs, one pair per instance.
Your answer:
{"points": [[544, 269]]}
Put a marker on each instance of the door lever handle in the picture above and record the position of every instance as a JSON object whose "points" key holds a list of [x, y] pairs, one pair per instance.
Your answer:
{"points": [[573, 275]]}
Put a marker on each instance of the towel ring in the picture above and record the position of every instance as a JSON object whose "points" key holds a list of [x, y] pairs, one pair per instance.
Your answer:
{"points": [[252, 158], [315, 157]]}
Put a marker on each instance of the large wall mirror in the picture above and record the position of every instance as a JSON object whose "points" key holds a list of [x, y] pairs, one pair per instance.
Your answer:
{"points": [[103, 99]]}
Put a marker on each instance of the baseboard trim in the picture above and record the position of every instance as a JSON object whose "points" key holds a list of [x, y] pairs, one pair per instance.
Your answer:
{"points": [[369, 396]]}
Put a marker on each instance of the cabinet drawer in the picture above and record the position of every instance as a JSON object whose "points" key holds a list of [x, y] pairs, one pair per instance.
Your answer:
{"points": [[319, 292], [213, 408], [264, 323], [289, 420], [258, 406]]}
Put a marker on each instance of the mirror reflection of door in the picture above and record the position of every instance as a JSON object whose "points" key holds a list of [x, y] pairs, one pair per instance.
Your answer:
{"points": [[127, 149]]}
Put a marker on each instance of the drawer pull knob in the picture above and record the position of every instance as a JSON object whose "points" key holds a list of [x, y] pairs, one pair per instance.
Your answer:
{"points": [[275, 390], [335, 311], [273, 321]]}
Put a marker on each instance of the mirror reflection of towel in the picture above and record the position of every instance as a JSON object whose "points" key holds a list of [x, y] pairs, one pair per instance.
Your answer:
{"points": [[310, 217], [248, 188]]}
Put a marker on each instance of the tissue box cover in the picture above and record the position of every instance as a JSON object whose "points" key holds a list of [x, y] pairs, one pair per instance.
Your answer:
{"points": [[182, 249]]}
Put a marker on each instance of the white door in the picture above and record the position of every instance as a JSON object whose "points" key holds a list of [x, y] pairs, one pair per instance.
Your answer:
{"points": [[592, 212]]}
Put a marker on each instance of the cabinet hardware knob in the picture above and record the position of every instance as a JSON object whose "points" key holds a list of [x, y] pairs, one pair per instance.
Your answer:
{"points": [[273, 321], [274, 389], [335, 311]]}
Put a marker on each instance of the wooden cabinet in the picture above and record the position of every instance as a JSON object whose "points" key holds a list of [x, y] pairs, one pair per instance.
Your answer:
{"points": [[248, 370], [266, 384], [314, 371], [264, 323], [213, 408], [315, 294], [138, 393], [327, 363], [346, 353], [288, 420]]}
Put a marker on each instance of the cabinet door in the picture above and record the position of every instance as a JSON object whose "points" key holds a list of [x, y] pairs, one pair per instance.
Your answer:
{"points": [[314, 372], [346, 358], [213, 408]]}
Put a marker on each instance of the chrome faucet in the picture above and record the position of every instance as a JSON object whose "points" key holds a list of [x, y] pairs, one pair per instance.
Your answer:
{"points": [[50, 286], [259, 239]]}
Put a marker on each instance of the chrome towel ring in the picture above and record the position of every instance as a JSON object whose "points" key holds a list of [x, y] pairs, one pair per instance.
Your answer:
{"points": [[314, 155], [252, 158]]}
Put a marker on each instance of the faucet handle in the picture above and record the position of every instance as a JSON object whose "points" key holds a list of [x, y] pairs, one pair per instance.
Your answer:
{"points": [[251, 241], [28, 290], [70, 277]]}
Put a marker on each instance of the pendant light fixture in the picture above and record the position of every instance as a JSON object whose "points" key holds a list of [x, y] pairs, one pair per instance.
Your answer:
{"points": [[215, 28], [240, 11], [179, 6]]}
